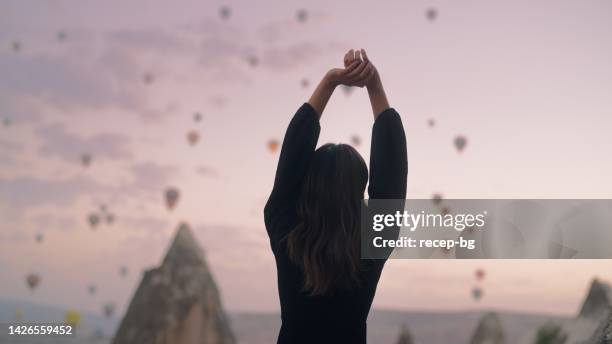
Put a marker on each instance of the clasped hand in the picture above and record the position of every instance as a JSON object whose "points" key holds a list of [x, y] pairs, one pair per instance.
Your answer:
{"points": [[358, 70]]}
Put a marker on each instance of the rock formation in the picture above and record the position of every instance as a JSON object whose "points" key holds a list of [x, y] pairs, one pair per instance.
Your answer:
{"points": [[489, 331], [178, 302], [592, 325]]}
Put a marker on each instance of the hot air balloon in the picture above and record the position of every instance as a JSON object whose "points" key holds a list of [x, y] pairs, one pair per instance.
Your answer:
{"points": [[94, 220], [98, 334], [109, 309], [123, 271], [225, 12], [16, 46], [72, 318], [103, 208], [355, 140], [61, 36], [477, 293], [431, 14], [39, 237], [172, 197], [193, 137], [431, 122], [437, 198], [33, 280], [305, 83], [148, 78], [460, 142], [197, 117], [480, 274], [302, 15], [86, 159], [347, 90], [7, 121], [18, 317], [273, 145], [253, 60], [92, 289], [110, 218]]}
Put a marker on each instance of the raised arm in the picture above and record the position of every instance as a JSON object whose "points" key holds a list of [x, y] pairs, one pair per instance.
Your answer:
{"points": [[298, 147], [376, 92]]}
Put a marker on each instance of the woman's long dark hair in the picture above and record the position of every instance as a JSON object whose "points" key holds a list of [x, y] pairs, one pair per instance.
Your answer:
{"points": [[326, 243]]}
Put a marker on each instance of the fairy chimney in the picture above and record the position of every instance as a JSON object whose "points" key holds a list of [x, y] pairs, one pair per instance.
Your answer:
{"points": [[178, 302]]}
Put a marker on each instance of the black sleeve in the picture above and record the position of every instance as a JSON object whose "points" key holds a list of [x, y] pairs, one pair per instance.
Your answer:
{"points": [[388, 166], [298, 148], [388, 157]]}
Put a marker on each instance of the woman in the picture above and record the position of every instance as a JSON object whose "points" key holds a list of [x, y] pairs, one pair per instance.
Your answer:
{"points": [[313, 213]]}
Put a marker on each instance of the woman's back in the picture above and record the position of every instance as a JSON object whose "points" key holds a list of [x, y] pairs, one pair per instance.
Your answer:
{"points": [[338, 315], [336, 318]]}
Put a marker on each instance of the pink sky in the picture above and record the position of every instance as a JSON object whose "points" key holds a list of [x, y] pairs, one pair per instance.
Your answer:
{"points": [[528, 84]]}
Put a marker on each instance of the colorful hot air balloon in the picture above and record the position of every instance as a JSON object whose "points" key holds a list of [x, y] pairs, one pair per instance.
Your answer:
{"points": [[477, 293], [94, 220], [172, 197], [123, 271], [225, 12], [109, 309], [193, 137], [431, 122], [72, 318], [273, 145], [480, 274], [460, 142], [197, 117], [355, 140], [86, 159], [431, 14], [18, 316], [437, 198], [302, 15], [33, 280]]}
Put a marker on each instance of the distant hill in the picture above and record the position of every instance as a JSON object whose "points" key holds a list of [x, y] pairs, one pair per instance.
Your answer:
{"points": [[383, 325]]}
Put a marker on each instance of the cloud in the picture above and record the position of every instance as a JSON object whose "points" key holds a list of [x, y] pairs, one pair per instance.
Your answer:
{"points": [[20, 193], [279, 30], [207, 171], [10, 146], [54, 221], [156, 41], [144, 223], [65, 82], [289, 57], [151, 176], [57, 141]]}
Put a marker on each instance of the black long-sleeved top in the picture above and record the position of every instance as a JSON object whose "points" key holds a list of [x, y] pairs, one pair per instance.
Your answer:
{"points": [[341, 317]]}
